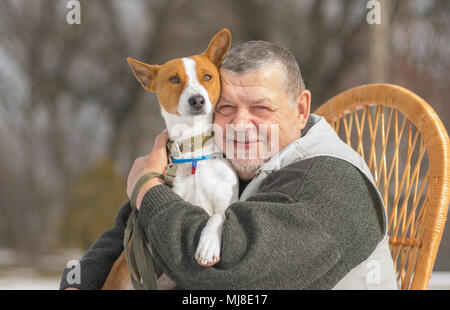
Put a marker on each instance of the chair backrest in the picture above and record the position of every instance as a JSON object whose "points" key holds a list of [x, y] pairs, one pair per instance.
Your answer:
{"points": [[407, 149]]}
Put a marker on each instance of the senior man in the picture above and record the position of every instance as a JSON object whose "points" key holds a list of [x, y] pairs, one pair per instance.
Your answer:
{"points": [[308, 217]]}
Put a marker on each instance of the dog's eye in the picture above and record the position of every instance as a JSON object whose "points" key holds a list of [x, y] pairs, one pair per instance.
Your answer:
{"points": [[174, 79], [207, 77]]}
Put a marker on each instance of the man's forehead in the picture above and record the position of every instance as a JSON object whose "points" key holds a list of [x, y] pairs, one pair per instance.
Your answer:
{"points": [[263, 86], [267, 75], [262, 98]]}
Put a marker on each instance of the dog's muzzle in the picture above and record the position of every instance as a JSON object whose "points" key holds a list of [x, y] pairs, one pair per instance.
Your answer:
{"points": [[196, 105]]}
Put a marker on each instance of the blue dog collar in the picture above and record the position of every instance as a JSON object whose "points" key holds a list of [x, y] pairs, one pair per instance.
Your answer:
{"points": [[188, 160], [193, 160]]}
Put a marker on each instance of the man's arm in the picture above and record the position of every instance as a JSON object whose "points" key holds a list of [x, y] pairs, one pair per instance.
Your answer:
{"points": [[307, 227], [98, 260]]}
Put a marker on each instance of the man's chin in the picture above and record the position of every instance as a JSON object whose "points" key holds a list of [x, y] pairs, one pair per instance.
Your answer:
{"points": [[246, 168]]}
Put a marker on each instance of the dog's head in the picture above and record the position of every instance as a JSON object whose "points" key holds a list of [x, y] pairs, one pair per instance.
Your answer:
{"points": [[186, 86]]}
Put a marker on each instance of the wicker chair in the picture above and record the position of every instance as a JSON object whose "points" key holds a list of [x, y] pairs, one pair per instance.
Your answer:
{"points": [[395, 131]]}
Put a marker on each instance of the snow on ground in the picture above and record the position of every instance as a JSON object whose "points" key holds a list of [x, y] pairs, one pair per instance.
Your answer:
{"points": [[47, 276], [439, 281], [22, 278], [29, 284]]}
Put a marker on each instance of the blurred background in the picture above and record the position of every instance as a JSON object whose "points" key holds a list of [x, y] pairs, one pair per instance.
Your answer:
{"points": [[73, 118]]}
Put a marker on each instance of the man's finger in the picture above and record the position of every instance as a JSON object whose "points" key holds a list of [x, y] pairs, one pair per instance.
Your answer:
{"points": [[161, 139]]}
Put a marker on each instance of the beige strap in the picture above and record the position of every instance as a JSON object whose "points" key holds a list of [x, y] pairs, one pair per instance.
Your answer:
{"points": [[171, 172], [142, 180], [139, 259]]}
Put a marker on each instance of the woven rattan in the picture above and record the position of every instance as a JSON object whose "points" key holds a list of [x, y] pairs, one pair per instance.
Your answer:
{"points": [[407, 149]]}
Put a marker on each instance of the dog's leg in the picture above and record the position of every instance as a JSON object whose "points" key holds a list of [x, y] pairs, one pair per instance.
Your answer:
{"points": [[208, 249], [118, 278]]}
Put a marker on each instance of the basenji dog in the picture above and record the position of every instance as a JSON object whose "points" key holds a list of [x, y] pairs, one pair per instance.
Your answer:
{"points": [[188, 90]]}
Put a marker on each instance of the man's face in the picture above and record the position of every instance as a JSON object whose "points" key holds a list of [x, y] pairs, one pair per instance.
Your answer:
{"points": [[254, 114]]}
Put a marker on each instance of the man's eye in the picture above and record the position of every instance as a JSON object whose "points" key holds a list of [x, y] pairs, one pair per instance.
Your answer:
{"points": [[260, 108], [207, 77], [174, 79], [226, 109], [261, 111]]}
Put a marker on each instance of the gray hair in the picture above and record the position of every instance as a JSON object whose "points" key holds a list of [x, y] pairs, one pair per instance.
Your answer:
{"points": [[255, 55]]}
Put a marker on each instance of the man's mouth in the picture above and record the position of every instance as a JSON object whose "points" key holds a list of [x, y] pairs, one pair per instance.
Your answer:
{"points": [[247, 144], [245, 141]]}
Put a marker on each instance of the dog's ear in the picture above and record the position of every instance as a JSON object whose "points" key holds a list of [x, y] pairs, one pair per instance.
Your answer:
{"points": [[144, 73], [218, 46]]}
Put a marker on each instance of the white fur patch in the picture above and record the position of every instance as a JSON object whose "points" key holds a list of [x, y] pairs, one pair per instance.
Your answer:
{"points": [[215, 184], [193, 87], [213, 188]]}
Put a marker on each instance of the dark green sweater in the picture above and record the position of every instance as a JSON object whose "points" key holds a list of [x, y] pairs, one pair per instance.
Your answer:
{"points": [[309, 224]]}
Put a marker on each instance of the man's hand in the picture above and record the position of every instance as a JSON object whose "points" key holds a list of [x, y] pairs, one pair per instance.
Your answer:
{"points": [[156, 161]]}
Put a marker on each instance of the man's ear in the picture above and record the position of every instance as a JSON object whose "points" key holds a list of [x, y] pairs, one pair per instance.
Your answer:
{"points": [[303, 106], [218, 46], [144, 73]]}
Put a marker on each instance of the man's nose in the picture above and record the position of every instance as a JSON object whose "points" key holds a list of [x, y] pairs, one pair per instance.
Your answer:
{"points": [[242, 120], [197, 101]]}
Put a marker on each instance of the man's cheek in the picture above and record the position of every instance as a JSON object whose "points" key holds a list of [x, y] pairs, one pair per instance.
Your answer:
{"points": [[219, 135], [230, 151], [272, 144]]}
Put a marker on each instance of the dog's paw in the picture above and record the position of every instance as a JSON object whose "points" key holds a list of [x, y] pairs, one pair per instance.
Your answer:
{"points": [[208, 250]]}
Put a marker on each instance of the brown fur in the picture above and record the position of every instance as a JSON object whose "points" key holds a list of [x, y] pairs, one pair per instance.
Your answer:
{"points": [[204, 66], [155, 78], [118, 278]]}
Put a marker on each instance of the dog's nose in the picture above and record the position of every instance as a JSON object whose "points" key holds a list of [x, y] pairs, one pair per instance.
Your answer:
{"points": [[197, 102]]}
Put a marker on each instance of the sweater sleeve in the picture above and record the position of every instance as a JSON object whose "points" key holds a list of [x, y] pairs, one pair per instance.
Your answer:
{"points": [[96, 264], [309, 224]]}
